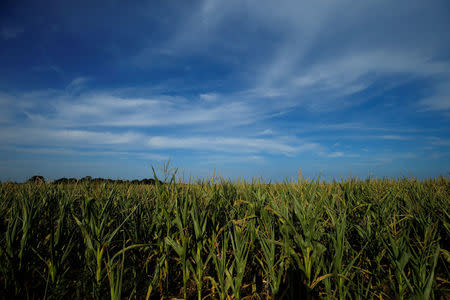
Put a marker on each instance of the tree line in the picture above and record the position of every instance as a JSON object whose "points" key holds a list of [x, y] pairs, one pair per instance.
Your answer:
{"points": [[38, 178]]}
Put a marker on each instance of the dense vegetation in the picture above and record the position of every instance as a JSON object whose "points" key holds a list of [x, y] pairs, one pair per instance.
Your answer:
{"points": [[372, 239]]}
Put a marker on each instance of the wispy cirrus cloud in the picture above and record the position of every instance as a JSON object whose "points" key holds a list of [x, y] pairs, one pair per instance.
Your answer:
{"points": [[209, 97], [106, 110], [301, 70], [217, 159], [77, 84], [328, 84], [93, 119], [76, 106], [143, 155], [71, 137], [395, 137], [439, 100], [336, 154], [267, 131], [232, 144], [341, 154]]}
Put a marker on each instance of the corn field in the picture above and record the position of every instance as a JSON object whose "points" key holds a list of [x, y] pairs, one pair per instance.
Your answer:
{"points": [[217, 239]]}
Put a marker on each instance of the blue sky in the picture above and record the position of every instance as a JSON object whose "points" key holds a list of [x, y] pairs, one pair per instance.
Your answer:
{"points": [[246, 88]]}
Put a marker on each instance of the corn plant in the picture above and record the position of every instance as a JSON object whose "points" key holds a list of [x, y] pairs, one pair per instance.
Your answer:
{"points": [[94, 224], [181, 240], [218, 251], [240, 242], [199, 263], [272, 261]]}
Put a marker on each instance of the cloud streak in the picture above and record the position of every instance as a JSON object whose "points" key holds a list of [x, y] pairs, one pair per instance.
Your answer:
{"points": [[233, 145], [105, 109], [59, 137]]}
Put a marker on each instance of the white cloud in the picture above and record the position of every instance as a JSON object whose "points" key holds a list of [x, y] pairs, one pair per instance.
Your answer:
{"points": [[60, 137], [268, 131], [324, 85], [64, 109], [209, 97], [95, 137], [440, 100], [77, 84], [336, 154], [395, 137], [231, 144], [231, 159], [342, 154], [439, 103], [396, 156], [89, 153]]}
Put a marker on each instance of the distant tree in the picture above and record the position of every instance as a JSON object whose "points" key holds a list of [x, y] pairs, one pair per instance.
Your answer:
{"points": [[36, 178], [61, 181], [148, 181], [86, 179], [98, 180], [73, 180]]}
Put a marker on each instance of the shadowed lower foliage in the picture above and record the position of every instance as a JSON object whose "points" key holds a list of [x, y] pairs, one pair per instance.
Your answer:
{"points": [[94, 239]]}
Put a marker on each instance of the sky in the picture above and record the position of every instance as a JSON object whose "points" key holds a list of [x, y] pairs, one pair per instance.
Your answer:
{"points": [[239, 89]]}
